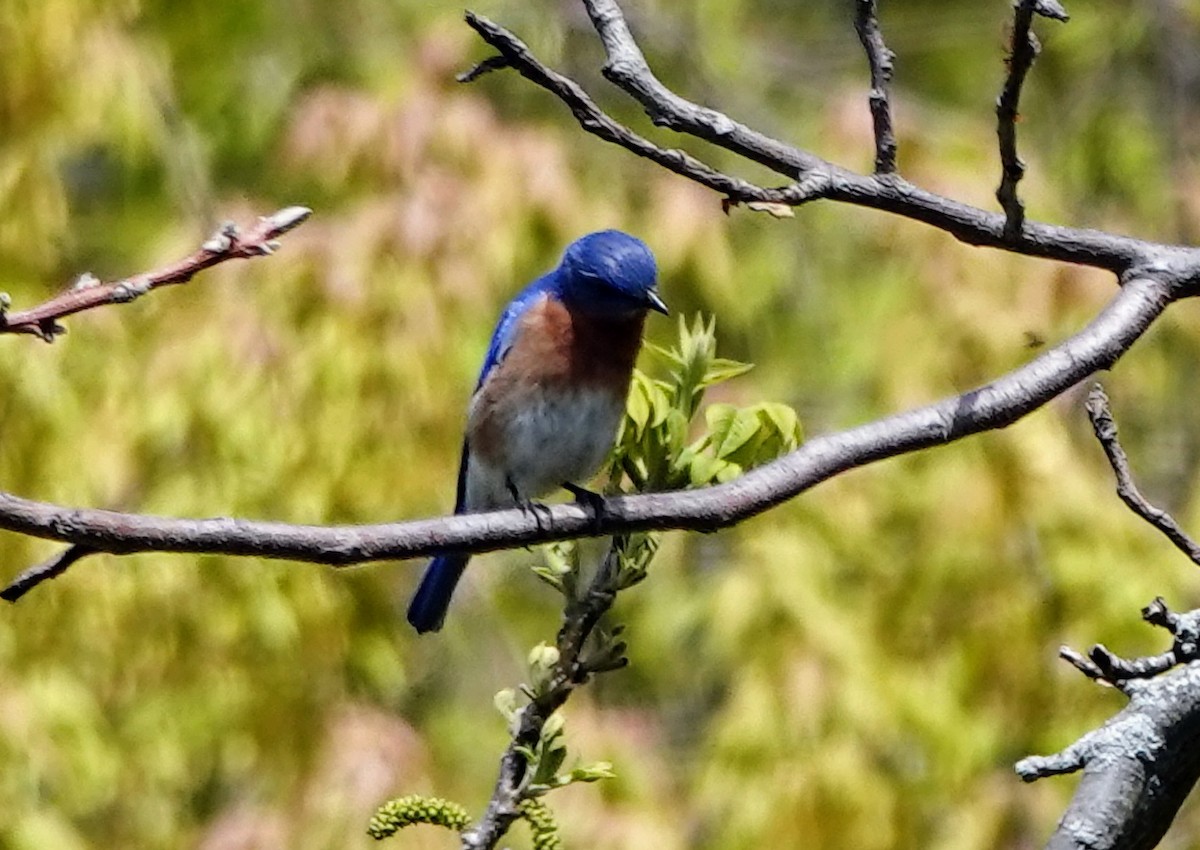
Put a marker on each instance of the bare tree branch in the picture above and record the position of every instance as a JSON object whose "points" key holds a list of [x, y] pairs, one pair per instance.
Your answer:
{"points": [[627, 68], [228, 243], [1185, 628], [994, 405], [1105, 429], [1139, 766], [1081, 663], [866, 24], [595, 121], [574, 667], [52, 568], [1023, 50]]}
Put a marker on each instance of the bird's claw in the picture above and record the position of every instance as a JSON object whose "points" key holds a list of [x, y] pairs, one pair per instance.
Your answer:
{"points": [[591, 500], [529, 506], [540, 512]]}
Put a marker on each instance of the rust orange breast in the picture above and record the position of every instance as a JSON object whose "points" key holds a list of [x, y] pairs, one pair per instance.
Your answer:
{"points": [[556, 344], [555, 350]]}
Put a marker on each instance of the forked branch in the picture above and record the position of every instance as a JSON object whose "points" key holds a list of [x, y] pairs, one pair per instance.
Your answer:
{"points": [[813, 176], [1139, 766]]}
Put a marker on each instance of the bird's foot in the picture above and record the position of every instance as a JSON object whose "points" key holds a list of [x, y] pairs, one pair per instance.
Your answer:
{"points": [[590, 499], [540, 512], [529, 506]]}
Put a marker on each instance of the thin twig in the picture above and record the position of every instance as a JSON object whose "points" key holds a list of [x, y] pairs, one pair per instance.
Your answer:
{"points": [[626, 67], [880, 58], [1105, 429], [492, 63], [572, 669], [1106, 667], [52, 568], [1081, 663], [1114, 668], [1023, 50], [228, 243]]}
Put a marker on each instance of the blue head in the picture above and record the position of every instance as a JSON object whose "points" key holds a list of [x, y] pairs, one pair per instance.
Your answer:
{"points": [[610, 273]]}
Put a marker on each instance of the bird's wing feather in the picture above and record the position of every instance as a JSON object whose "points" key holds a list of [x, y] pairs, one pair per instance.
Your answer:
{"points": [[506, 329], [502, 341]]}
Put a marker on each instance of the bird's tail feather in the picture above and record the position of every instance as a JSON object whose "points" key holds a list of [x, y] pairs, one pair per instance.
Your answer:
{"points": [[427, 610]]}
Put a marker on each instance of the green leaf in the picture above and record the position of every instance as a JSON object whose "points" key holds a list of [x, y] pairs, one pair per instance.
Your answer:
{"points": [[638, 407], [661, 402], [728, 472], [676, 425], [553, 727], [719, 418], [552, 759], [550, 575], [785, 420], [670, 355], [593, 772], [506, 703], [744, 427], [705, 469], [561, 565], [721, 369]]}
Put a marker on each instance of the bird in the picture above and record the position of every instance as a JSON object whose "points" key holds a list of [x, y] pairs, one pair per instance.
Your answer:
{"points": [[551, 393]]}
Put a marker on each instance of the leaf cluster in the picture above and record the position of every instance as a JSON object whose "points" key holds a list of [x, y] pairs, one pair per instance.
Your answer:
{"points": [[656, 449]]}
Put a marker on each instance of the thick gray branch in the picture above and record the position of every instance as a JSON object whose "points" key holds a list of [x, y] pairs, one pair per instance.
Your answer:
{"points": [[997, 404], [1137, 768]]}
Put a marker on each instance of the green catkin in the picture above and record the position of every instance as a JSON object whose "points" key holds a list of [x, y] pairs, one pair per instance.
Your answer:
{"points": [[542, 825], [396, 814]]}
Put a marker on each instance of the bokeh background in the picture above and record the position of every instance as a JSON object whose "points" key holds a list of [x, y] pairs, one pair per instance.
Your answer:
{"points": [[857, 669]]}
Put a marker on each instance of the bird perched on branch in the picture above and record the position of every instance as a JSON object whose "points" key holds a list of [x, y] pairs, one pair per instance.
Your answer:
{"points": [[552, 390]]}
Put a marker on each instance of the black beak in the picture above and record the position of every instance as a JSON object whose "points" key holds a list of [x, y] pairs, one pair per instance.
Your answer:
{"points": [[655, 302]]}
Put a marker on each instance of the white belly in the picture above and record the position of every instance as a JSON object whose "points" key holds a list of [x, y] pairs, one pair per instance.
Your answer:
{"points": [[552, 439]]}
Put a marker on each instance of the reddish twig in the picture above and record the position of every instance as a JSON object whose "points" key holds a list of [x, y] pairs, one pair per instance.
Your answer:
{"points": [[228, 243]]}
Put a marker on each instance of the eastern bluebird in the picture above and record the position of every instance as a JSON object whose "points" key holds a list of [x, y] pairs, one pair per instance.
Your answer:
{"points": [[552, 390]]}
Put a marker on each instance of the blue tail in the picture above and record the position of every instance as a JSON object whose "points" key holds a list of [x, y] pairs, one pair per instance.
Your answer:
{"points": [[427, 611]]}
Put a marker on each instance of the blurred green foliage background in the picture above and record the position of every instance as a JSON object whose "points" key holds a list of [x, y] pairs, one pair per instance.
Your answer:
{"points": [[857, 669]]}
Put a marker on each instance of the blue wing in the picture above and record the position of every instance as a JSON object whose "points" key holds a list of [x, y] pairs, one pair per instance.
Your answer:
{"points": [[510, 319], [502, 341], [427, 610]]}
